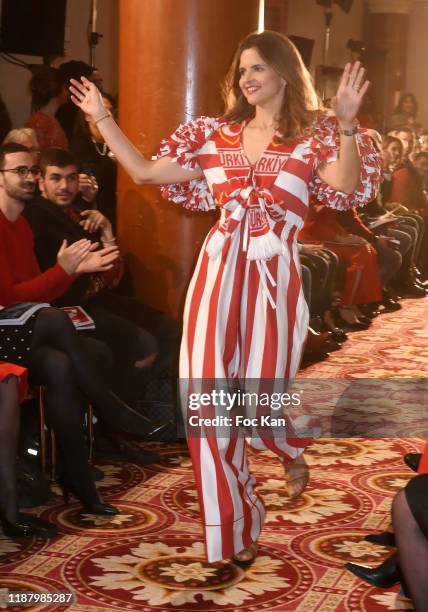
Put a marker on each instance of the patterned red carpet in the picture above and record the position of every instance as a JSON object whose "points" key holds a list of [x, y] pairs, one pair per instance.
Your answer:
{"points": [[150, 556]]}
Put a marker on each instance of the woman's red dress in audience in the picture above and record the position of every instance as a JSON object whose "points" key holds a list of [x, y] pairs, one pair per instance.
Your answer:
{"points": [[362, 284], [48, 131]]}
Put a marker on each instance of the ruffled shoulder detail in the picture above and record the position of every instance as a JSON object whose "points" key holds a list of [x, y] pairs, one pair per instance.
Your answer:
{"points": [[184, 144], [183, 147], [324, 147], [194, 195]]}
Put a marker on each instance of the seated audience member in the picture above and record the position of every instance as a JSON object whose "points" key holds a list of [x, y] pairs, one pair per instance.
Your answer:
{"points": [[405, 114], [409, 565], [318, 276], [67, 112], [22, 281], [120, 322], [389, 259], [15, 524], [324, 268], [423, 141], [367, 116], [362, 281], [95, 157], [25, 136], [408, 189], [407, 138], [410, 522], [406, 223], [88, 186], [48, 92]]}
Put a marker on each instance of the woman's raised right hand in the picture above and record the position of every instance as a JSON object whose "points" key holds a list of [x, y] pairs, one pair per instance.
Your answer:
{"points": [[87, 97]]}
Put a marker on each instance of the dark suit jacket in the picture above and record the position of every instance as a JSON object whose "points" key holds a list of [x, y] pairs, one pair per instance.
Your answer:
{"points": [[51, 225]]}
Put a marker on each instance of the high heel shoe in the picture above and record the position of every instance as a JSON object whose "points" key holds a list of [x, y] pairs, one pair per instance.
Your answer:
{"points": [[125, 419], [247, 556], [91, 507], [385, 576], [27, 526], [350, 322], [329, 323], [386, 538], [296, 476], [316, 346]]}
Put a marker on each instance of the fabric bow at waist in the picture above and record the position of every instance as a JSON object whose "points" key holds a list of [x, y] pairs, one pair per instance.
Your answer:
{"points": [[258, 210], [248, 205]]}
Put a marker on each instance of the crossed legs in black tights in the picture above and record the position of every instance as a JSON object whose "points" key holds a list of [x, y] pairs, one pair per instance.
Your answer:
{"points": [[54, 329], [64, 405]]}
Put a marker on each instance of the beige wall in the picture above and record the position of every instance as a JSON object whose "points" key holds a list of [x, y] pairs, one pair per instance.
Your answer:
{"points": [[14, 80], [417, 74], [306, 18]]}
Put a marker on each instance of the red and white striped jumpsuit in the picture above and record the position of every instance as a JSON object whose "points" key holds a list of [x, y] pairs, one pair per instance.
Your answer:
{"points": [[245, 315]]}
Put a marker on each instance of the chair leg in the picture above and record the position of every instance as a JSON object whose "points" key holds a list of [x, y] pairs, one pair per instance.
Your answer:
{"points": [[42, 434], [42, 429], [53, 456], [90, 428]]}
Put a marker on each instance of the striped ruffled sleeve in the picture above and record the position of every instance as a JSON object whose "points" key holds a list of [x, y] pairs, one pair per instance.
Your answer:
{"points": [[325, 146], [183, 148]]}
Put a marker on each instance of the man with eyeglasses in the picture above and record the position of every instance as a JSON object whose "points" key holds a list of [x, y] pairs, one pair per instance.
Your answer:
{"points": [[20, 277]]}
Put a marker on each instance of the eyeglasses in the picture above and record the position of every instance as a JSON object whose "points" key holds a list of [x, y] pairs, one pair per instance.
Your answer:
{"points": [[24, 171]]}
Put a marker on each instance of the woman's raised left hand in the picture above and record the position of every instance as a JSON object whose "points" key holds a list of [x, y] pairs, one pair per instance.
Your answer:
{"points": [[347, 101]]}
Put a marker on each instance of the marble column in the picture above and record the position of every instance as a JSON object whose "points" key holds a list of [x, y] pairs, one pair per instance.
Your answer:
{"points": [[173, 56]]}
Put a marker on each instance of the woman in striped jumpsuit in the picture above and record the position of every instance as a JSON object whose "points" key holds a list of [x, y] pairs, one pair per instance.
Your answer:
{"points": [[245, 316]]}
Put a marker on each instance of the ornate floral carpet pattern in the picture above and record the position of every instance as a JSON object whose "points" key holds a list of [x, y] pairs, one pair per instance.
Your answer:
{"points": [[150, 557]]}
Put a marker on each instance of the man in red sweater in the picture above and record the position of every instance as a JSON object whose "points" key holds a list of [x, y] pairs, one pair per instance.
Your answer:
{"points": [[20, 276]]}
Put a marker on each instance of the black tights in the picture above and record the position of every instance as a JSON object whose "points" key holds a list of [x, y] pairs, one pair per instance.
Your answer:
{"points": [[64, 412], [9, 430], [53, 330], [412, 551], [58, 362]]}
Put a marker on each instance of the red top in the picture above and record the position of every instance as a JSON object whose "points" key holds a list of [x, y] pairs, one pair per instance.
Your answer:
{"points": [[423, 465], [321, 225], [407, 189], [48, 131], [10, 369], [351, 221], [20, 276]]}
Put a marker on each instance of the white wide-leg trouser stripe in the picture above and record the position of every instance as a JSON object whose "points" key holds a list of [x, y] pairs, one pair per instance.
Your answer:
{"points": [[230, 332]]}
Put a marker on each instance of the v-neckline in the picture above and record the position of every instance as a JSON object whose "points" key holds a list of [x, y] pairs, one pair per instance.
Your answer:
{"points": [[241, 144]]}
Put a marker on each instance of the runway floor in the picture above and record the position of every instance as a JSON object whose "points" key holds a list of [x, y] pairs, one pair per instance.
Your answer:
{"points": [[150, 556]]}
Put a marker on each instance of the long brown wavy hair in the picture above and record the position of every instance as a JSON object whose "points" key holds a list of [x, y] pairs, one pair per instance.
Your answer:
{"points": [[300, 106]]}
